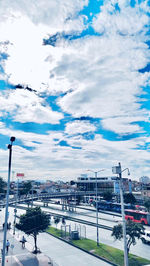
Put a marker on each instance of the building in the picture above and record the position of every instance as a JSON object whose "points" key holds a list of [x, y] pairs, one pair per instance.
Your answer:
{"points": [[146, 192], [109, 183], [145, 180]]}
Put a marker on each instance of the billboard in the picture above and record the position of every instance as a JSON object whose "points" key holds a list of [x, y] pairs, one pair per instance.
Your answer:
{"points": [[116, 170], [20, 174]]}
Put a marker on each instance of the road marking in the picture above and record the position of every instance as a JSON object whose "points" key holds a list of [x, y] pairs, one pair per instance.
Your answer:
{"points": [[18, 261]]}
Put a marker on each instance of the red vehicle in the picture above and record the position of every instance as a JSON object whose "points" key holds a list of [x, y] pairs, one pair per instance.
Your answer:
{"points": [[138, 216]]}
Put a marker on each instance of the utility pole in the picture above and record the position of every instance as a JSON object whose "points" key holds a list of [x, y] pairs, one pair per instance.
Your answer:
{"points": [[15, 210], [32, 193], [117, 170], [97, 211], [97, 230], [12, 139]]}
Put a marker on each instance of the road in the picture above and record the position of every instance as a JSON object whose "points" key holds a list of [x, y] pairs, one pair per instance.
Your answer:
{"points": [[139, 249], [60, 252], [18, 256]]}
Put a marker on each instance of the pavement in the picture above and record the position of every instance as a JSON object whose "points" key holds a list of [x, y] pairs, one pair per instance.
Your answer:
{"points": [[66, 255], [18, 256], [54, 252]]}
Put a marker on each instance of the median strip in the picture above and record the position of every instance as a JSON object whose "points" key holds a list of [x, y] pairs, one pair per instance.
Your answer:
{"points": [[109, 254]]}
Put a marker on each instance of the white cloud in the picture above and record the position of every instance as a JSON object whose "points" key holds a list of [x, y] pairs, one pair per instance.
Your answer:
{"points": [[25, 106], [52, 13], [79, 127], [122, 125], [98, 74], [129, 21], [48, 159]]}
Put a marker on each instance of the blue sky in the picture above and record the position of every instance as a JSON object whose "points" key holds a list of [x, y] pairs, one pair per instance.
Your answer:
{"points": [[74, 87]]}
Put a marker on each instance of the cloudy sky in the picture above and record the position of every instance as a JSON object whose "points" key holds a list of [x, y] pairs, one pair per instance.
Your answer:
{"points": [[74, 86]]}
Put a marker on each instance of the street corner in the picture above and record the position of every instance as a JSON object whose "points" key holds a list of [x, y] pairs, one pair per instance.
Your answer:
{"points": [[45, 260]]}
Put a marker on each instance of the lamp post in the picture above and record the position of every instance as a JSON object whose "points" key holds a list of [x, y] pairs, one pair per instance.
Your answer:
{"points": [[12, 139], [15, 210], [96, 172], [32, 192], [117, 170]]}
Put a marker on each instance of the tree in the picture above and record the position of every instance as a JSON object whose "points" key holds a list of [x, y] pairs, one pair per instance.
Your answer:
{"points": [[133, 231], [56, 220], [129, 198], [33, 222], [72, 182], [26, 188], [63, 221], [107, 195], [147, 205], [3, 185]]}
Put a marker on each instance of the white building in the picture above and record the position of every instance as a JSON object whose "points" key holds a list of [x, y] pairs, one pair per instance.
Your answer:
{"points": [[145, 179]]}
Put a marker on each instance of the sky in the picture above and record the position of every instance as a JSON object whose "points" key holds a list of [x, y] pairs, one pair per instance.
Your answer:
{"points": [[74, 87]]}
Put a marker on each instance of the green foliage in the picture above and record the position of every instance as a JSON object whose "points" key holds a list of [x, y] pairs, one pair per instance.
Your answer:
{"points": [[147, 205], [56, 220], [112, 254], [117, 232], [107, 195], [26, 188], [3, 185], [54, 231], [129, 198], [133, 231], [33, 222], [63, 220]]}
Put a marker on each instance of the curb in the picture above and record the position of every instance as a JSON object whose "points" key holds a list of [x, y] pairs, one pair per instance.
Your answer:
{"points": [[101, 258]]}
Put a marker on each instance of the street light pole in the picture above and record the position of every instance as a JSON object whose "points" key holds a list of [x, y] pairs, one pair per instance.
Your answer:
{"points": [[117, 170], [15, 210], [123, 218], [32, 193], [12, 139], [97, 211], [96, 172]]}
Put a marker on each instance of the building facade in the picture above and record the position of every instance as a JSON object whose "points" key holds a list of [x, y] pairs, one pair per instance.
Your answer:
{"points": [[110, 183]]}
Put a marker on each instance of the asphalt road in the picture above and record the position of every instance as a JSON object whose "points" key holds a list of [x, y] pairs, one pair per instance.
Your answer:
{"points": [[17, 256], [139, 249], [60, 252]]}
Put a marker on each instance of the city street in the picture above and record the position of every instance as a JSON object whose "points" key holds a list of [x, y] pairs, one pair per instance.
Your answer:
{"points": [[59, 252], [18, 256], [139, 249]]}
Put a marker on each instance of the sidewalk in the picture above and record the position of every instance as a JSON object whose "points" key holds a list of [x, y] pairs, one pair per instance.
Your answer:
{"points": [[18, 256], [54, 252]]}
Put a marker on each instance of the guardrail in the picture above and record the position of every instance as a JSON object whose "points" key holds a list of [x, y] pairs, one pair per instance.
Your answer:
{"points": [[48, 196], [72, 219]]}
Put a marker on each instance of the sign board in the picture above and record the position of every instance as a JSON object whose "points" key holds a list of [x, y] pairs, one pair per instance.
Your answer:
{"points": [[116, 170], [20, 174], [116, 187]]}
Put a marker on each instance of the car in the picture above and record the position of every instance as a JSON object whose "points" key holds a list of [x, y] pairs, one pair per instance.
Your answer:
{"points": [[146, 237]]}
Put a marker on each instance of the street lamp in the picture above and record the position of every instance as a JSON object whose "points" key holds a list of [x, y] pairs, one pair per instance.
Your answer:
{"points": [[117, 170], [96, 172], [15, 210], [12, 139]]}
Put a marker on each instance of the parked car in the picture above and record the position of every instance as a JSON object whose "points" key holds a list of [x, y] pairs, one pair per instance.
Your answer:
{"points": [[146, 237]]}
